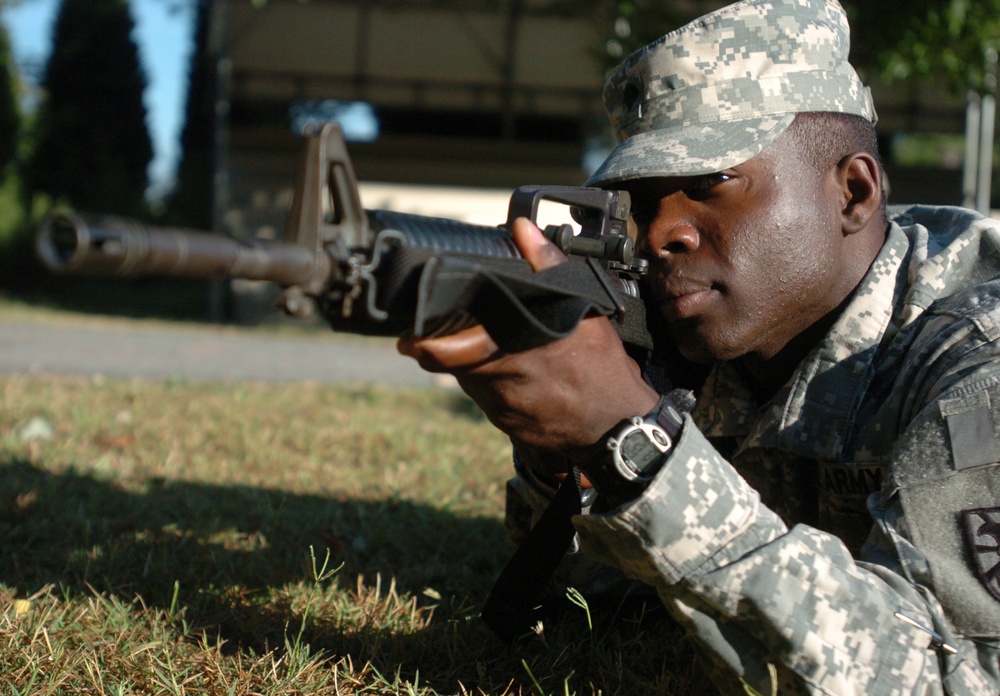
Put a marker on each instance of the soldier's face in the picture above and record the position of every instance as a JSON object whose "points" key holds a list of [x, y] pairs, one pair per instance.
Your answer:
{"points": [[743, 260]]}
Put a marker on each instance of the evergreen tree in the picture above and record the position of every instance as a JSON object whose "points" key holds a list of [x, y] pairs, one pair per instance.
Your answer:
{"points": [[92, 145], [10, 117], [16, 258], [192, 201]]}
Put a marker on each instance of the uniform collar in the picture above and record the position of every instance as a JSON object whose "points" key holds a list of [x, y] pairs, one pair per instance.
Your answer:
{"points": [[813, 414]]}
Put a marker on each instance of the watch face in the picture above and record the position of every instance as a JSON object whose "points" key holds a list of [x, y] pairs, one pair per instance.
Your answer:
{"points": [[638, 451]]}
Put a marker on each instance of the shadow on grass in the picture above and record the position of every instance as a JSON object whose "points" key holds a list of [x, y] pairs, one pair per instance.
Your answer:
{"points": [[231, 550], [78, 531]]}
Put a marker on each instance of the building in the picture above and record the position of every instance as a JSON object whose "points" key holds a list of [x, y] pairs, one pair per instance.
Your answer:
{"points": [[473, 94]]}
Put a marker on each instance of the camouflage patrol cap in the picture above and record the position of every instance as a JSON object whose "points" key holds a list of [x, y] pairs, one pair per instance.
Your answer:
{"points": [[719, 90]]}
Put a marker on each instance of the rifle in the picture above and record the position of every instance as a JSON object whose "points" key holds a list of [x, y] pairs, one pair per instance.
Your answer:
{"points": [[385, 273]]}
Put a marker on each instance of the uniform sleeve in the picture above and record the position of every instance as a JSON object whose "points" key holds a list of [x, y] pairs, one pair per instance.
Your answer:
{"points": [[753, 593]]}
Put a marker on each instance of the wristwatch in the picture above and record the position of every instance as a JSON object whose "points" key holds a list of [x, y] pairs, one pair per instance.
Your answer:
{"points": [[634, 451]]}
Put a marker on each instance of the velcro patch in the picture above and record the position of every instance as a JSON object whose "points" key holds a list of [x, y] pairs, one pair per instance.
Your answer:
{"points": [[982, 534], [970, 427]]}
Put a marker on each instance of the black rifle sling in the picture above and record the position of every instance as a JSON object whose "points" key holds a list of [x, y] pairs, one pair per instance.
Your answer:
{"points": [[513, 608], [522, 309]]}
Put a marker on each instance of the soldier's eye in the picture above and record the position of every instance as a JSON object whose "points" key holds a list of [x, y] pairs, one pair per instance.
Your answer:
{"points": [[703, 184], [643, 212]]}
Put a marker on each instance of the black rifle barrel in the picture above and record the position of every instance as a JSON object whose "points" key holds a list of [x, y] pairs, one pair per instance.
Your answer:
{"points": [[116, 246]]}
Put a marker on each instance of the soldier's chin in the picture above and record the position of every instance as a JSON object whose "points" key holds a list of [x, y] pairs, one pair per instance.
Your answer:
{"points": [[700, 349]]}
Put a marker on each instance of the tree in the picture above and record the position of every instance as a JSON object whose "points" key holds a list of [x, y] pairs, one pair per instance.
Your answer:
{"points": [[929, 40], [15, 247], [10, 117], [938, 41], [192, 201], [92, 144]]}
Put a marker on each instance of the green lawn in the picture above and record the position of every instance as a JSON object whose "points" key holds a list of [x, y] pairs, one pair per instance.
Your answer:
{"points": [[171, 537]]}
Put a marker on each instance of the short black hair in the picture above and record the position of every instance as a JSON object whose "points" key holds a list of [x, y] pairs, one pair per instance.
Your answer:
{"points": [[826, 138]]}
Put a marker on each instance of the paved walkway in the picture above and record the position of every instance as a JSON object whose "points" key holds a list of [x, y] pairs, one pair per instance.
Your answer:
{"points": [[122, 348]]}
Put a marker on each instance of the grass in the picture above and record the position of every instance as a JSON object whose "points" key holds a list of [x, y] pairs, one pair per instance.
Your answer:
{"points": [[166, 537]]}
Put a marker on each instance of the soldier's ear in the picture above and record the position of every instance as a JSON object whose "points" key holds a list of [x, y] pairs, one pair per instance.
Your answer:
{"points": [[860, 180]]}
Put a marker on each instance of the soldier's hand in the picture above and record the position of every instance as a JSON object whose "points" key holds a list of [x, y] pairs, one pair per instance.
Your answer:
{"points": [[554, 401]]}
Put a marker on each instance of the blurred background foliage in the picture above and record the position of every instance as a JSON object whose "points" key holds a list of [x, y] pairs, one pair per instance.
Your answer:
{"points": [[85, 142], [932, 41], [92, 147]]}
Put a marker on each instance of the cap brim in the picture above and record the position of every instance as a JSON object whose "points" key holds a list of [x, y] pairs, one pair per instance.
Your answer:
{"points": [[689, 150]]}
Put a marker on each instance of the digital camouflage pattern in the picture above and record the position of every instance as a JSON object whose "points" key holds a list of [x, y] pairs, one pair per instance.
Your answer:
{"points": [[792, 533], [719, 90], [847, 532]]}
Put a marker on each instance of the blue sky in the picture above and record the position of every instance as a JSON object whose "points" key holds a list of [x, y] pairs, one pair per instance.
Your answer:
{"points": [[164, 40]]}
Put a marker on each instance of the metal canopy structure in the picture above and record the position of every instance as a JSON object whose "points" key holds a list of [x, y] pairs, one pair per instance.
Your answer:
{"points": [[508, 61]]}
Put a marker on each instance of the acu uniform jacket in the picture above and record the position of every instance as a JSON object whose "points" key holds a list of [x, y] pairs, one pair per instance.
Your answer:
{"points": [[826, 531]]}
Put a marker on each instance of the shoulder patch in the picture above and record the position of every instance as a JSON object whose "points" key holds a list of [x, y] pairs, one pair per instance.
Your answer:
{"points": [[982, 535]]}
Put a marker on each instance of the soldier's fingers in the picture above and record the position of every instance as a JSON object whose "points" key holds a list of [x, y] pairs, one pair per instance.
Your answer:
{"points": [[457, 352]]}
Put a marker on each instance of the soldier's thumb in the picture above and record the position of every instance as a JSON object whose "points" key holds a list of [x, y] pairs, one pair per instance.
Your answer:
{"points": [[534, 247]]}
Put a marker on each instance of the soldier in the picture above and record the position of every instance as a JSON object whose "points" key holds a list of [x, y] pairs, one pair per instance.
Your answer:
{"points": [[826, 499]]}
